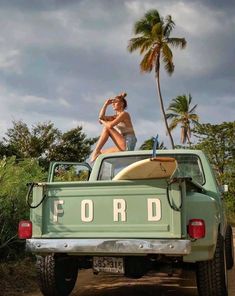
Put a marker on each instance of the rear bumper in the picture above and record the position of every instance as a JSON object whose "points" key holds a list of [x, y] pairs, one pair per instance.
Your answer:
{"points": [[110, 246]]}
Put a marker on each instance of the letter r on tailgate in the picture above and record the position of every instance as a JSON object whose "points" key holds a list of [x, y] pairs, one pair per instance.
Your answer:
{"points": [[119, 208]]}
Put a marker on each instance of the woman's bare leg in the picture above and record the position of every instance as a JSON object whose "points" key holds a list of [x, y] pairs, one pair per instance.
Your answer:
{"points": [[117, 138], [102, 140]]}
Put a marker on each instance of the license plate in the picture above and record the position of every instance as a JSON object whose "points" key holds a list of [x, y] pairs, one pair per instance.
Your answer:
{"points": [[108, 264]]}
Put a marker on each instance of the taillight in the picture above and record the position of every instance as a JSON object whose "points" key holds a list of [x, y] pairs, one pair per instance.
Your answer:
{"points": [[196, 228], [25, 229]]}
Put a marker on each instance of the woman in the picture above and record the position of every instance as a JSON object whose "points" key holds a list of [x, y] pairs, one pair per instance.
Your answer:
{"points": [[118, 127]]}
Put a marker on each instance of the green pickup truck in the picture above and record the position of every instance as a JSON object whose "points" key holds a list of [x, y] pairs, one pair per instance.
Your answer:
{"points": [[120, 218]]}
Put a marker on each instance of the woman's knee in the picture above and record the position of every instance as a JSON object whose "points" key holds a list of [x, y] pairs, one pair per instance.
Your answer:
{"points": [[105, 130]]}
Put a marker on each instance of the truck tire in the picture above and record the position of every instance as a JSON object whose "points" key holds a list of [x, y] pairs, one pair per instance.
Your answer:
{"points": [[229, 248], [212, 275], [56, 275]]}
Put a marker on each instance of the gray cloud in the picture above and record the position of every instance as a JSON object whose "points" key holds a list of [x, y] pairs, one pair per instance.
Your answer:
{"points": [[59, 60]]}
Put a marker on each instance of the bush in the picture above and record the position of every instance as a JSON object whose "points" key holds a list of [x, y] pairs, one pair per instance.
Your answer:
{"points": [[13, 179]]}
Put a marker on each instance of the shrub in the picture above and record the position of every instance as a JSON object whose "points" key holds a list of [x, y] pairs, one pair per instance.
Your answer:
{"points": [[14, 175]]}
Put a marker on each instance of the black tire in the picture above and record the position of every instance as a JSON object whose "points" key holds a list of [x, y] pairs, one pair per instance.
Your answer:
{"points": [[56, 275], [212, 275], [229, 248]]}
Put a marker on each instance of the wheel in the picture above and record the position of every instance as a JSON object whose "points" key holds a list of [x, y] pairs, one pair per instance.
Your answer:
{"points": [[212, 275], [56, 275], [229, 248]]}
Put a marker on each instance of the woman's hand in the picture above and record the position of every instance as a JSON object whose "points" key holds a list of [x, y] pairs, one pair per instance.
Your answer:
{"points": [[108, 102], [103, 109], [105, 123]]}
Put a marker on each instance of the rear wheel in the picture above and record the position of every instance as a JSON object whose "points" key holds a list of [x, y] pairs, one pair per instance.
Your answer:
{"points": [[212, 274], [229, 248], [56, 275]]}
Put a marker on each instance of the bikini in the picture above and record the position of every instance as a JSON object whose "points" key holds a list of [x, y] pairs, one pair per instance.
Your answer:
{"points": [[128, 134]]}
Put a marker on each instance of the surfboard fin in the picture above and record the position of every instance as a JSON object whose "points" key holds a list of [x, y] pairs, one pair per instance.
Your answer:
{"points": [[155, 144]]}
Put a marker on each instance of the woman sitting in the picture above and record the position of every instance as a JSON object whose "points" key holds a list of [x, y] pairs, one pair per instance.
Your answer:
{"points": [[118, 127]]}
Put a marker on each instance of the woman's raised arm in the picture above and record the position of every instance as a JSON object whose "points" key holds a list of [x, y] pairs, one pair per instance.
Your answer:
{"points": [[103, 111]]}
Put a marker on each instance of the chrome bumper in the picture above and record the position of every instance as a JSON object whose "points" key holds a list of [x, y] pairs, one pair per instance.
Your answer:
{"points": [[110, 246]]}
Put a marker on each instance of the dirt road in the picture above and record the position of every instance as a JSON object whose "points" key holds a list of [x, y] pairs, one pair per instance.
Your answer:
{"points": [[181, 283], [154, 284]]}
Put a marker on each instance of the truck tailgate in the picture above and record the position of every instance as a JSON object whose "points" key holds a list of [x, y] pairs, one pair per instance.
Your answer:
{"points": [[107, 209]]}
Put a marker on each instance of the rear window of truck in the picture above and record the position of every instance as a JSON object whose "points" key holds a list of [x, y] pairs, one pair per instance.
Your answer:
{"points": [[189, 165]]}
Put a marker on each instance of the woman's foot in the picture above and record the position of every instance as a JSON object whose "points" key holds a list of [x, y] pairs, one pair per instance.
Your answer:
{"points": [[94, 155]]}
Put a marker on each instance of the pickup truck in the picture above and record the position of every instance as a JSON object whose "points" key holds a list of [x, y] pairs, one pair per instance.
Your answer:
{"points": [[120, 217]]}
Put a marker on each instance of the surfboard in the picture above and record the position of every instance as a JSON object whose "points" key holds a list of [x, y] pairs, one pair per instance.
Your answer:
{"points": [[151, 168]]}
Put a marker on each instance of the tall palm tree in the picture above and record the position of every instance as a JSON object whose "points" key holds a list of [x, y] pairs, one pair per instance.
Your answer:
{"points": [[180, 113], [154, 42]]}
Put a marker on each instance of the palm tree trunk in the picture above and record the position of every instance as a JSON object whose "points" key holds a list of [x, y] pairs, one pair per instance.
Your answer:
{"points": [[189, 134], [157, 76]]}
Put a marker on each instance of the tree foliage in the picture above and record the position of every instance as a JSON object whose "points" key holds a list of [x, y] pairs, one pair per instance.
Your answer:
{"points": [[153, 41], [13, 179], [46, 143], [218, 142], [180, 113], [25, 156], [148, 145], [73, 146]]}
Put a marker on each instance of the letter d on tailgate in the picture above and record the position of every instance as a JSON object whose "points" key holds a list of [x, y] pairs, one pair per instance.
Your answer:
{"points": [[154, 209]]}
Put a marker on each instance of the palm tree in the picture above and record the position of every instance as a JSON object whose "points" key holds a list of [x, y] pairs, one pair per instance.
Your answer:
{"points": [[148, 145], [180, 114], [154, 42]]}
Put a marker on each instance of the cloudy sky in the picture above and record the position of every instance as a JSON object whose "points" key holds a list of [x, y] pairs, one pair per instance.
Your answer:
{"points": [[60, 59]]}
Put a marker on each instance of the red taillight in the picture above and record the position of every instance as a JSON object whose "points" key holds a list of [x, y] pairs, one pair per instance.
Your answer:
{"points": [[25, 229], [196, 228]]}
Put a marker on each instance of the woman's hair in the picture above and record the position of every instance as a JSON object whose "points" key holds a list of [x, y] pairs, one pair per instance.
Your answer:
{"points": [[123, 100]]}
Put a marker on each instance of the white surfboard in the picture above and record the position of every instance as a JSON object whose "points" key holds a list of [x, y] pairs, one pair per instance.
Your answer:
{"points": [[151, 168]]}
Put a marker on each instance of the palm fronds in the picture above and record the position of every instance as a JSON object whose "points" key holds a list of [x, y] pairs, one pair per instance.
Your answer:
{"points": [[153, 41], [180, 113]]}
